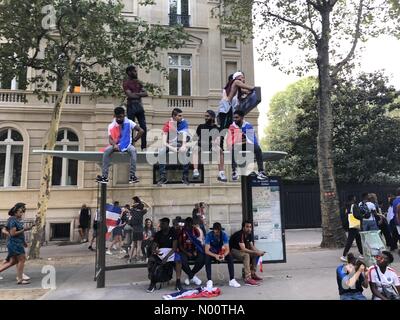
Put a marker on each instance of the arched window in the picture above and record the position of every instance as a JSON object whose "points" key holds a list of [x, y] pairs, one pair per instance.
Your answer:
{"points": [[11, 152], [65, 171]]}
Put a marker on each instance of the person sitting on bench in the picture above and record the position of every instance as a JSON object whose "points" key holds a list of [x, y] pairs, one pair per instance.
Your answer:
{"points": [[217, 248], [120, 138]]}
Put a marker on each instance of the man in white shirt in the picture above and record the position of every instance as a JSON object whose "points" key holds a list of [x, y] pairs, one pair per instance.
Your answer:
{"points": [[384, 282]]}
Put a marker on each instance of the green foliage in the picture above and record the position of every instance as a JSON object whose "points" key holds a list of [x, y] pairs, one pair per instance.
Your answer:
{"points": [[90, 35], [365, 135]]}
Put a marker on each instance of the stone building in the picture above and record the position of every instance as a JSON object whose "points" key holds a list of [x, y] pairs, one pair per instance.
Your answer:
{"points": [[198, 72]]}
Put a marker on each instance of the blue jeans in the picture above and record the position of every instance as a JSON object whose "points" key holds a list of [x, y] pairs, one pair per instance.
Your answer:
{"points": [[352, 296], [369, 225]]}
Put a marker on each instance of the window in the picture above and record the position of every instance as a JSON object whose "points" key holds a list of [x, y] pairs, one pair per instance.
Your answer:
{"points": [[65, 171], [174, 174], [14, 82], [11, 151], [230, 43], [231, 68], [180, 75], [179, 12]]}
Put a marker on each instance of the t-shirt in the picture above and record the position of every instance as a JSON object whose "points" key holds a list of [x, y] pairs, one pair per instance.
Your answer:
{"points": [[13, 222], [185, 240], [165, 240], [174, 129], [388, 279], [216, 243], [206, 145], [122, 134], [148, 234], [240, 237], [396, 202], [342, 277], [133, 85], [84, 217]]}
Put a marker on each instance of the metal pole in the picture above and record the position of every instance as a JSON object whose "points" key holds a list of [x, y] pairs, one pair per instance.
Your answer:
{"points": [[101, 239], [246, 215]]}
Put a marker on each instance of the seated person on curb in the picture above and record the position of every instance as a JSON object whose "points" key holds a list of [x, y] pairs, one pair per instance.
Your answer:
{"points": [[164, 246], [242, 137], [217, 247], [174, 138], [208, 139], [351, 278], [190, 248], [384, 282], [120, 138], [242, 247]]}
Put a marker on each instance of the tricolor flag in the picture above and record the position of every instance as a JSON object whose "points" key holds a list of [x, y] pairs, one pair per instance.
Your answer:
{"points": [[113, 215]]}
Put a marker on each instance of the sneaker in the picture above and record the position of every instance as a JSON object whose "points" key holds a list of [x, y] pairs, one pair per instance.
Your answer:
{"points": [[133, 179], [102, 179], [234, 283], [151, 288], [196, 281], [122, 251], [162, 181], [261, 176], [196, 174], [209, 285], [187, 281], [109, 252], [235, 176], [251, 282], [1, 278], [185, 180], [221, 177], [90, 248], [256, 277], [360, 256], [178, 285], [343, 258]]}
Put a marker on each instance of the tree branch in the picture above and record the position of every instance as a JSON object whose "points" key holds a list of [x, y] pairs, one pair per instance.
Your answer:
{"points": [[309, 12], [357, 35], [293, 22]]}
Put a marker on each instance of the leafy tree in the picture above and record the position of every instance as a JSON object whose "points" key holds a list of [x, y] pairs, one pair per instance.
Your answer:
{"points": [[326, 34], [58, 38], [364, 136]]}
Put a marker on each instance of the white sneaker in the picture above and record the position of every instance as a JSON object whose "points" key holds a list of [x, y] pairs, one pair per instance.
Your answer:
{"points": [[360, 256], [109, 252], [222, 177], [234, 283], [343, 258], [196, 281], [261, 176], [122, 251], [196, 173], [209, 285], [187, 281]]}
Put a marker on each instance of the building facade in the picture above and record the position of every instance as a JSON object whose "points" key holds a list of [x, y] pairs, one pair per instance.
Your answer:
{"points": [[198, 71]]}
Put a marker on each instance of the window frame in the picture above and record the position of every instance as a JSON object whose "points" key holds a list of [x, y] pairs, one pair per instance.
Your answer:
{"points": [[9, 143], [181, 67]]}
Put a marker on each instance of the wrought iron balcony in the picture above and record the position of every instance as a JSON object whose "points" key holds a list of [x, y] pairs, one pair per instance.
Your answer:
{"points": [[181, 19]]}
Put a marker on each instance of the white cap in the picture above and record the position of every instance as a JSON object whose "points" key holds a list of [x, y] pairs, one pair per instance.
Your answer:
{"points": [[237, 74]]}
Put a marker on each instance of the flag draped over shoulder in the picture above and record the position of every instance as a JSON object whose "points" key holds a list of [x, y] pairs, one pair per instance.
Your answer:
{"points": [[113, 215]]}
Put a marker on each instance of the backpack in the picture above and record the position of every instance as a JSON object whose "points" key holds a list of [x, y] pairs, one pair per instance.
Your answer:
{"points": [[159, 272], [365, 212]]}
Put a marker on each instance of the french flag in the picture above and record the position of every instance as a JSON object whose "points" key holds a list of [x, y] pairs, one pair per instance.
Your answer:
{"points": [[113, 215]]}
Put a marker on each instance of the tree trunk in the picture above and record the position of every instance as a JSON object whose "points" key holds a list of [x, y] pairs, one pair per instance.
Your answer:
{"points": [[333, 235], [44, 193]]}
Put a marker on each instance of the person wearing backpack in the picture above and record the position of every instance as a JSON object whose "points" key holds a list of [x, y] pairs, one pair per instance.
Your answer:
{"points": [[368, 212], [164, 257], [354, 222], [191, 248]]}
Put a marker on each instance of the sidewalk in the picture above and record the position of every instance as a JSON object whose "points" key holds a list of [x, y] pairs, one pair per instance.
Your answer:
{"points": [[309, 274]]}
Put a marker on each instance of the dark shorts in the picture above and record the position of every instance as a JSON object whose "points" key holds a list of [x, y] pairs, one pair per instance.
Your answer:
{"points": [[117, 231], [83, 226], [137, 236]]}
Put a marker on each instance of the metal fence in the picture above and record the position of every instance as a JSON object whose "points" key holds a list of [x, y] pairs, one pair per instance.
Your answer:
{"points": [[301, 200], [3, 237]]}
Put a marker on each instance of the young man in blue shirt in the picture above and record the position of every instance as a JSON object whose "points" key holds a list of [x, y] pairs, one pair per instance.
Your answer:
{"points": [[217, 248]]}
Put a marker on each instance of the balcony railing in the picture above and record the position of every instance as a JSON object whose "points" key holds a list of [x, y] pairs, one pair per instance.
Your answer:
{"points": [[181, 19]]}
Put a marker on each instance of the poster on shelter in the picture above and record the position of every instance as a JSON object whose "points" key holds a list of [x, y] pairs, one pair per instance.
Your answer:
{"points": [[267, 219]]}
